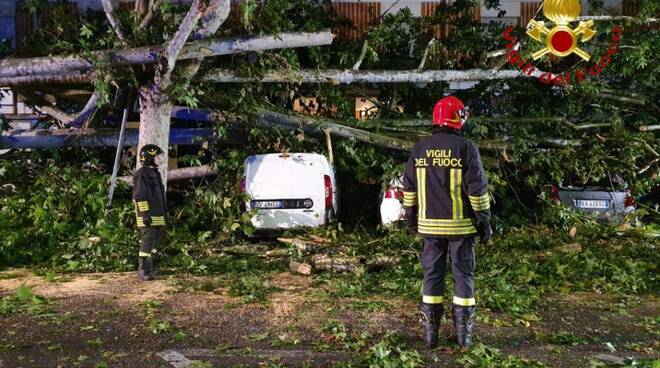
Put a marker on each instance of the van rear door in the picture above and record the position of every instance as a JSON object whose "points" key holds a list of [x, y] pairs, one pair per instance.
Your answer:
{"points": [[288, 191]]}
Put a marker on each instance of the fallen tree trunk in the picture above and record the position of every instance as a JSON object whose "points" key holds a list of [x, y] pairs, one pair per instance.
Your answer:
{"points": [[337, 263], [48, 67], [302, 268], [348, 76], [397, 125], [617, 17], [64, 78], [380, 261], [181, 174], [274, 119], [46, 139]]}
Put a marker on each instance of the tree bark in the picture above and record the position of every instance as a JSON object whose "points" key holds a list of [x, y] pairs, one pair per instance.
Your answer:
{"points": [[155, 110], [155, 103], [63, 78], [52, 66], [337, 76], [181, 174]]}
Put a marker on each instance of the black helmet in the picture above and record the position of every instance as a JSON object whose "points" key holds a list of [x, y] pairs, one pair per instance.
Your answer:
{"points": [[148, 153]]}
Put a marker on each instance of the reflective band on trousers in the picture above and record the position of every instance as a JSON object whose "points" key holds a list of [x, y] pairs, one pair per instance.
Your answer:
{"points": [[144, 254], [466, 302], [429, 299]]}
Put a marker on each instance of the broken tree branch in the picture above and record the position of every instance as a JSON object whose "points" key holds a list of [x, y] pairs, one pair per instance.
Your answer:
{"points": [[107, 8], [363, 53], [620, 98], [214, 16], [338, 76], [328, 142], [648, 128], [46, 104], [188, 24], [151, 11], [55, 65], [646, 146], [426, 53], [87, 111], [648, 166]]}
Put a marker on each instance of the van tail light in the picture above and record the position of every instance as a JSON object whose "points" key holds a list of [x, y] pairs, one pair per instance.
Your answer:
{"points": [[630, 201], [328, 191], [554, 193], [243, 185]]}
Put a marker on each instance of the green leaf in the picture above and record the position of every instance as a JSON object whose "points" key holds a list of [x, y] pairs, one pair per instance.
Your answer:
{"points": [[24, 293]]}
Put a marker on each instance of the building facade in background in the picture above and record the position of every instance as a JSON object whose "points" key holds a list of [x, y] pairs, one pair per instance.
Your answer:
{"points": [[17, 24]]}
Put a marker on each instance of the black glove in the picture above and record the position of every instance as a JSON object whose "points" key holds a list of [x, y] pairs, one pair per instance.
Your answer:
{"points": [[485, 231], [147, 221], [411, 220]]}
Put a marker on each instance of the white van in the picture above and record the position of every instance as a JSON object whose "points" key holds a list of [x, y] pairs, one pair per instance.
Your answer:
{"points": [[290, 190]]}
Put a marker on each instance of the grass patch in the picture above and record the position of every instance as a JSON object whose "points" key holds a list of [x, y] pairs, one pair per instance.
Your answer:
{"points": [[253, 288], [25, 301]]}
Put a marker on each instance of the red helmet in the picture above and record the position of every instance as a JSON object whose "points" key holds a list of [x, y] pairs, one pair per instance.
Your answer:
{"points": [[450, 111]]}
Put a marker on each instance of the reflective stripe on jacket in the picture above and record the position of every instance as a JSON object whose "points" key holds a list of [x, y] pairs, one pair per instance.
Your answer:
{"points": [[149, 196], [445, 180]]}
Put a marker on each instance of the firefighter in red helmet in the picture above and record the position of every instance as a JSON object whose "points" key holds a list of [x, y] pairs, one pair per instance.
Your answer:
{"points": [[446, 201]]}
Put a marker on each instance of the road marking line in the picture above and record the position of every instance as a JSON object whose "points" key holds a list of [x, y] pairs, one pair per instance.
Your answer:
{"points": [[176, 359]]}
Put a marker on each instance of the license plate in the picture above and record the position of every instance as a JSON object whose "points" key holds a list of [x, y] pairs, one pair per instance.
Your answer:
{"points": [[580, 203], [268, 204]]}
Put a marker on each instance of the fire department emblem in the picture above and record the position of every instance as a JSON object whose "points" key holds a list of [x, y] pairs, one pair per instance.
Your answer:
{"points": [[561, 40]]}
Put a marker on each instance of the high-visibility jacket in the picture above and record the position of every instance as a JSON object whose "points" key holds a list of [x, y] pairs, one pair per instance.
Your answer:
{"points": [[446, 183], [149, 196]]}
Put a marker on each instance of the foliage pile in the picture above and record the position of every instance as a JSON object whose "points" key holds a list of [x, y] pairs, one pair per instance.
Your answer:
{"points": [[518, 268], [55, 214], [24, 301], [55, 217], [482, 356]]}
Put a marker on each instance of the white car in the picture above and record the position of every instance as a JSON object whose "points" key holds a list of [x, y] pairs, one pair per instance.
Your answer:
{"points": [[290, 190], [391, 205]]}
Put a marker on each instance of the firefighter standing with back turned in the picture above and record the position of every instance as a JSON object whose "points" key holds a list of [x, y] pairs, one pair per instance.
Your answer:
{"points": [[150, 208], [446, 201]]}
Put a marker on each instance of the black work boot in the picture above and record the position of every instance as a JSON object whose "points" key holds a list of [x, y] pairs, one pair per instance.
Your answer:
{"points": [[145, 268], [431, 317], [464, 318]]}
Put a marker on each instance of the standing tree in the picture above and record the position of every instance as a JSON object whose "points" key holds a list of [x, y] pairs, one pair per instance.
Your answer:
{"points": [[202, 21]]}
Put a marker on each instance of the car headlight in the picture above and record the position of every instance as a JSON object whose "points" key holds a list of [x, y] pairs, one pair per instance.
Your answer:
{"points": [[308, 203]]}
